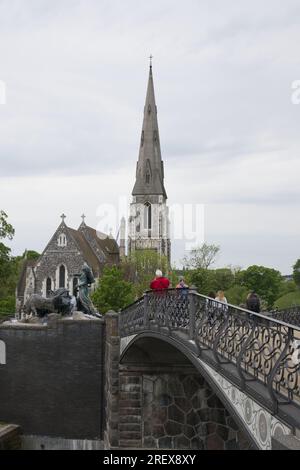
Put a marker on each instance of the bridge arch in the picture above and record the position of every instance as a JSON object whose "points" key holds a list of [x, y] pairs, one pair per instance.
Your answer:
{"points": [[181, 404]]}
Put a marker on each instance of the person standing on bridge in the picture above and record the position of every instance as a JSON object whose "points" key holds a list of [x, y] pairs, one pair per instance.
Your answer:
{"points": [[181, 284], [221, 303], [159, 282], [253, 302], [220, 297]]}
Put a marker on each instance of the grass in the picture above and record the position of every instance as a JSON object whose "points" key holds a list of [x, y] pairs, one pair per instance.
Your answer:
{"points": [[288, 300]]}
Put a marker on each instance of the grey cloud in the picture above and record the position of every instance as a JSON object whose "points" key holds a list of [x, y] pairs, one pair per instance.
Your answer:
{"points": [[76, 75]]}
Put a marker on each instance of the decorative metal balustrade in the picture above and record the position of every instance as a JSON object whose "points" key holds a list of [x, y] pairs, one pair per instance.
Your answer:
{"points": [[262, 348], [290, 315]]}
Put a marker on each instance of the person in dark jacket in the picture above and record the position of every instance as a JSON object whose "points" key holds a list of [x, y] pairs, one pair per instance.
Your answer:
{"points": [[253, 302]]}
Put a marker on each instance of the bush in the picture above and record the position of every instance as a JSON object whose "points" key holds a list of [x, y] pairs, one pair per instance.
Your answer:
{"points": [[237, 295], [291, 299], [264, 281], [7, 306], [112, 292], [286, 287]]}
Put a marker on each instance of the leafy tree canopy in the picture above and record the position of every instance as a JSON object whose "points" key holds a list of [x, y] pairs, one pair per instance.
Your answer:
{"points": [[264, 281], [296, 273], [201, 257], [112, 292], [31, 254], [140, 267], [6, 229]]}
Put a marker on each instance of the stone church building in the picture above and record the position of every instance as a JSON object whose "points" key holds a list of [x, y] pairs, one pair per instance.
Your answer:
{"points": [[148, 225], [62, 260]]}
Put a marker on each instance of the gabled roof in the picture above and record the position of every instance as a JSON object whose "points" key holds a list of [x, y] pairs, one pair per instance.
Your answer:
{"points": [[107, 245], [85, 249], [27, 263]]}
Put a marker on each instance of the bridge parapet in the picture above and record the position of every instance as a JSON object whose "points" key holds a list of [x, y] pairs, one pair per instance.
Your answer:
{"points": [[263, 350], [289, 315]]}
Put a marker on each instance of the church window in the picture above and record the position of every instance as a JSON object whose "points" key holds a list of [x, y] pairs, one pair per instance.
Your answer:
{"points": [[147, 216], [62, 240], [48, 286], [149, 109], [148, 172], [160, 226], [62, 276], [142, 139]]}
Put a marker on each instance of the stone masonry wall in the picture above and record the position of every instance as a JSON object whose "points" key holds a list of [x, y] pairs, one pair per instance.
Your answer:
{"points": [[174, 410], [182, 412]]}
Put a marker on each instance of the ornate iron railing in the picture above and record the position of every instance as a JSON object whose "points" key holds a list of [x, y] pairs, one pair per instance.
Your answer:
{"points": [[289, 315], [262, 347]]}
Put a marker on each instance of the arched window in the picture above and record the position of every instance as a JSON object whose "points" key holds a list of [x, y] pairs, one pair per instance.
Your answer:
{"points": [[62, 276], [160, 227], [48, 286], [62, 240], [147, 216]]}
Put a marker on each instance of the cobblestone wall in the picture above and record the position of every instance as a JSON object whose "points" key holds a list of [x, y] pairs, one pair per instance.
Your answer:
{"points": [[182, 412]]}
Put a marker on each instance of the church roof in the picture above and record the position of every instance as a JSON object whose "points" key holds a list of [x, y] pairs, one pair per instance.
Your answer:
{"points": [[107, 244], [85, 239], [27, 263], [149, 171], [85, 249]]}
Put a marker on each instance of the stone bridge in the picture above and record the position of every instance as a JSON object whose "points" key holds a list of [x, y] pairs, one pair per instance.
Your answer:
{"points": [[174, 370], [186, 372]]}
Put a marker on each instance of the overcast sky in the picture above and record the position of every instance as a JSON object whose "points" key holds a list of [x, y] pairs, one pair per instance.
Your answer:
{"points": [[76, 75]]}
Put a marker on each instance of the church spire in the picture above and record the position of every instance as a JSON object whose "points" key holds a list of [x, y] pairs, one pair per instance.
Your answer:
{"points": [[149, 171]]}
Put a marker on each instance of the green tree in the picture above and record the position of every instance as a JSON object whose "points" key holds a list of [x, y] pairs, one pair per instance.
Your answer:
{"points": [[140, 267], [296, 273], [113, 291], [8, 268], [201, 257], [6, 229], [31, 254], [224, 278], [203, 279], [264, 281], [211, 280], [286, 287], [237, 295]]}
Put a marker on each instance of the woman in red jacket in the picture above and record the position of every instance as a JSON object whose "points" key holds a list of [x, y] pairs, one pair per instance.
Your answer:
{"points": [[159, 282]]}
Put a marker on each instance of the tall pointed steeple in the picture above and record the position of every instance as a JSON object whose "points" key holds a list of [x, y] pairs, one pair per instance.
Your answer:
{"points": [[149, 170], [148, 223]]}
